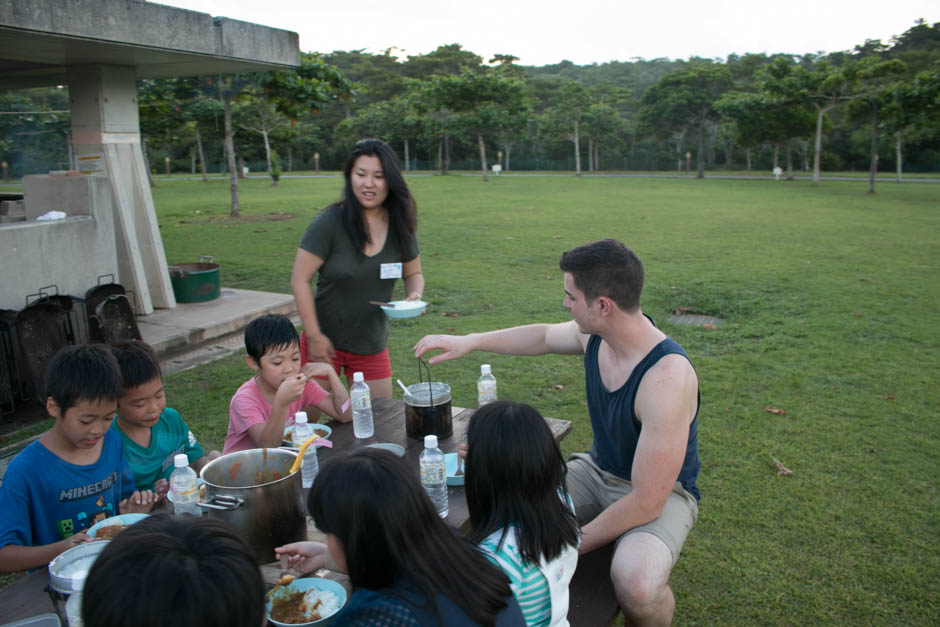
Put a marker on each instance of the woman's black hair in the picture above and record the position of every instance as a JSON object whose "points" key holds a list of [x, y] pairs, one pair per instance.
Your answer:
{"points": [[185, 572], [390, 532], [515, 475], [400, 204]]}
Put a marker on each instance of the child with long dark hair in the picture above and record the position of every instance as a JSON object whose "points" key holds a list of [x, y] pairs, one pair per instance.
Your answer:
{"points": [[406, 566], [520, 513]]}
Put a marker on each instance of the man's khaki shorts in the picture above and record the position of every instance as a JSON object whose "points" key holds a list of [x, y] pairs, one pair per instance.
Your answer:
{"points": [[593, 490]]}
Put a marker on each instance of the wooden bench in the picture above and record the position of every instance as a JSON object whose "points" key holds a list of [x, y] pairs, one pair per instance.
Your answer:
{"points": [[591, 598]]}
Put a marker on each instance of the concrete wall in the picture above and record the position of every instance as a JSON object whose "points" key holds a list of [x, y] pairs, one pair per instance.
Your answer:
{"points": [[70, 253]]}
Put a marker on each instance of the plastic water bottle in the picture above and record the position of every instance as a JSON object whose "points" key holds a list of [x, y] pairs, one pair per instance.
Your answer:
{"points": [[434, 474], [361, 407], [184, 489], [302, 432], [486, 386]]}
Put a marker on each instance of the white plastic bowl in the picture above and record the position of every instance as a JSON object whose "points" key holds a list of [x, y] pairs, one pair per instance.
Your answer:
{"points": [[405, 308], [305, 584]]}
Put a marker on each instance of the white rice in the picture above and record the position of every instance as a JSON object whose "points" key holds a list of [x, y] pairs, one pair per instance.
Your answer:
{"points": [[329, 602]]}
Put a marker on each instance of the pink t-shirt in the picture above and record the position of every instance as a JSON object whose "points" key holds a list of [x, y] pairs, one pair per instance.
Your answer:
{"points": [[249, 407]]}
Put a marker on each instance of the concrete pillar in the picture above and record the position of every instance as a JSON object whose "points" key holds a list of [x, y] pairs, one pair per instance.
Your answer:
{"points": [[105, 124]]}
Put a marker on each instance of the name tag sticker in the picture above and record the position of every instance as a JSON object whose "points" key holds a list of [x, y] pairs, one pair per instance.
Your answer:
{"points": [[390, 271]]}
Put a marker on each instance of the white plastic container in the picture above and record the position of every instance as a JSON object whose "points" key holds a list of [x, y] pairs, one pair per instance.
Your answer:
{"points": [[361, 398], [434, 474], [302, 432], [486, 386], [184, 488]]}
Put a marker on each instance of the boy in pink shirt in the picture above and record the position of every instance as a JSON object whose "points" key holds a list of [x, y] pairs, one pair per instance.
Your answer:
{"points": [[265, 404]]}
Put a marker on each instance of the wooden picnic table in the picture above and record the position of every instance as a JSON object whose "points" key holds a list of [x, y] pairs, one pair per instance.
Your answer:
{"points": [[389, 419], [29, 597]]}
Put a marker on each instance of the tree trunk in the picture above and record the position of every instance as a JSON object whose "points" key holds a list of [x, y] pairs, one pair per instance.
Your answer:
{"points": [[590, 154], [874, 148], [597, 156], [482, 146], [192, 162], [508, 152], [747, 157], [776, 156], [230, 158], [440, 156], [712, 140], [897, 150], [143, 147], [700, 158], [577, 148], [446, 153], [817, 148], [202, 155], [789, 162], [407, 157], [267, 148], [290, 159]]}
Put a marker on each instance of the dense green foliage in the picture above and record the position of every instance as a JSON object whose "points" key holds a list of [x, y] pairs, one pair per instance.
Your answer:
{"points": [[619, 121], [829, 297]]}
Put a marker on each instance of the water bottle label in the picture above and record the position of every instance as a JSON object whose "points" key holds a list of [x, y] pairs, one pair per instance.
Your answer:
{"points": [[433, 474], [361, 402]]}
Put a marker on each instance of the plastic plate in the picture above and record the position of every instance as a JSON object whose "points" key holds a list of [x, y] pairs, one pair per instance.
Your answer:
{"points": [[405, 308], [317, 427], [120, 519], [450, 462], [304, 584]]}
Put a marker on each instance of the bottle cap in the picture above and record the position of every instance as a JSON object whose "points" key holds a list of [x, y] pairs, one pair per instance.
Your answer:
{"points": [[357, 377], [300, 418], [430, 441], [485, 369], [181, 461]]}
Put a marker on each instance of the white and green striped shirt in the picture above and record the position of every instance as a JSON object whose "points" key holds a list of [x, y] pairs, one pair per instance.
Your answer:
{"points": [[528, 584]]}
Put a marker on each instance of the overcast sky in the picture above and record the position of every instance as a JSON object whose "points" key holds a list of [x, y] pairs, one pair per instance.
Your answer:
{"points": [[543, 32]]}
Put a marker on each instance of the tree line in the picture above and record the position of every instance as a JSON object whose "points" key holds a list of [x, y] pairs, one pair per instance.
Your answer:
{"points": [[872, 108]]}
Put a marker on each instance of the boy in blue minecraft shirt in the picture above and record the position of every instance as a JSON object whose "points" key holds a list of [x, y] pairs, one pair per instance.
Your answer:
{"points": [[75, 474]]}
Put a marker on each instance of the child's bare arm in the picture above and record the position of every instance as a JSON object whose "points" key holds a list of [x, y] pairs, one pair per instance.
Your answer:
{"points": [[14, 557], [333, 405], [271, 433]]}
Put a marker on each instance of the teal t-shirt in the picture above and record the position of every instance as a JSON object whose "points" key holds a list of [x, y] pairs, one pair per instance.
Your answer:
{"points": [[348, 280], [169, 437]]}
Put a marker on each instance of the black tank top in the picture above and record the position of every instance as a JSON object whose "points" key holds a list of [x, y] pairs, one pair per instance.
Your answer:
{"points": [[613, 419]]}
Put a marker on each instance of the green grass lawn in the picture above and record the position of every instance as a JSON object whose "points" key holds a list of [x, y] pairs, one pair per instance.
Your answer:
{"points": [[830, 298]]}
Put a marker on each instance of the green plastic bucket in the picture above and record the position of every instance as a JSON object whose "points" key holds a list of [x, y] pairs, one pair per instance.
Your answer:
{"points": [[195, 282]]}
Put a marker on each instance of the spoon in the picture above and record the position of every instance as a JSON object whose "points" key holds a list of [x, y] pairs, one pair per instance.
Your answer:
{"points": [[403, 387]]}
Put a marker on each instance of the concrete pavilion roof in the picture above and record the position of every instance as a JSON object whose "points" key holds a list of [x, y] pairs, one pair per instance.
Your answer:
{"points": [[39, 39]]}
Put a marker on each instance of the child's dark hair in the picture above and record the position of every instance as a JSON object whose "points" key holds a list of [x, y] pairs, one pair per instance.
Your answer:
{"points": [[515, 475], [87, 372], [185, 572], [138, 362], [375, 505], [270, 331]]}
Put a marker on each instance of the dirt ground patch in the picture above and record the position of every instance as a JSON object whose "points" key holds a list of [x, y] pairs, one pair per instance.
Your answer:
{"points": [[278, 216]]}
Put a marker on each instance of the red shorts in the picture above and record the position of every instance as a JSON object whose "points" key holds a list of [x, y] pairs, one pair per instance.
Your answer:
{"points": [[372, 367]]}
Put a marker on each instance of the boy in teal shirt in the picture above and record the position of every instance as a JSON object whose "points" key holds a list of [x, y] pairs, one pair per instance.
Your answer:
{"points": [[151, 432]]}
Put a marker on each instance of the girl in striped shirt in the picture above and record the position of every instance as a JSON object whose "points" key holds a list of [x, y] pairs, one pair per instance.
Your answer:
{"points": [[520, 513]]}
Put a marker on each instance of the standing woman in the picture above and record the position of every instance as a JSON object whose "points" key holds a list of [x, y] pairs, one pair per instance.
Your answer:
{"points": [[358, 247]]}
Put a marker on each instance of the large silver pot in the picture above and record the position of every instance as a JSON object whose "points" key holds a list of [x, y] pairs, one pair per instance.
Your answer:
{"points": [[255, 494]]}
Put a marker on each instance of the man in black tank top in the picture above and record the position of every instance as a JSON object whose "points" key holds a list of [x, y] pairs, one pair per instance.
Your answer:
{"points": [[636, 486]]}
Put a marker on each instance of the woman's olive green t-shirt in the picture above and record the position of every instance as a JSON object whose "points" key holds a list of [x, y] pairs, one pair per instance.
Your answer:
{"points": [[348, 280]]}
